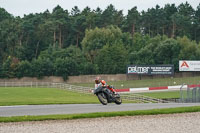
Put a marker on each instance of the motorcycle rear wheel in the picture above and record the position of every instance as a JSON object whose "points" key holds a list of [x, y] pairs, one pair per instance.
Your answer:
{"points": [[102, 98]]}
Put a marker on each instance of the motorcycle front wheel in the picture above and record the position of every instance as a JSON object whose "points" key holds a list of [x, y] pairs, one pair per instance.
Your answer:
{"points": [[118, 99], [102, 98]]}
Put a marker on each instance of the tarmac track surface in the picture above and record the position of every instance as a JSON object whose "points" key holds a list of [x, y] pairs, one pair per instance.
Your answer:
{"points": [[6, 111]]}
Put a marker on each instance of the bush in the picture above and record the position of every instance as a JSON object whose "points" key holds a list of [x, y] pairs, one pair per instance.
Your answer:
{"points": [[24, 69]]}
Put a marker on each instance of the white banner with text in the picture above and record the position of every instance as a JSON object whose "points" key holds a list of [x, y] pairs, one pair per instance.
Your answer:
{"points": [[185, 65]]}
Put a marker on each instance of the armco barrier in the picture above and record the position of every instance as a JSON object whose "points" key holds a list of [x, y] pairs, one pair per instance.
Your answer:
{"points": [[191, 94], [47, 84]]}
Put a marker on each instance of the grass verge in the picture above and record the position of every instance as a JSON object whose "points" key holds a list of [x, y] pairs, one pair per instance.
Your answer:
{"points": [[101, 114], [35, 96]]}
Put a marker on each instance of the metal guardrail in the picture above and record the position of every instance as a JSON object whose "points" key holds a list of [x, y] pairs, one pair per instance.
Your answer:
{"points": [[190, 94], [47, 84], [141, 98], [86, 90]]}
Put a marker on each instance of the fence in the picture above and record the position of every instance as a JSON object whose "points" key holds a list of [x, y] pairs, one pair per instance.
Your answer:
{"points": [[47, 84], [190, 94], [137, 98]]}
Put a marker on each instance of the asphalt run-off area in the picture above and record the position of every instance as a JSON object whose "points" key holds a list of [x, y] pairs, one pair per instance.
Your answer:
{"points": [[21, 110]]}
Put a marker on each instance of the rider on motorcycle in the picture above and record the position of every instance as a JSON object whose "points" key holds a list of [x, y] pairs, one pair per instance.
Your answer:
{"points": [[99, 82]]}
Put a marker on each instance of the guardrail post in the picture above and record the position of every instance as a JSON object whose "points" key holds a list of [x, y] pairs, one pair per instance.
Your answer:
{"points": [[181, 93], [194, 95], [198, 94], [188, 94]]}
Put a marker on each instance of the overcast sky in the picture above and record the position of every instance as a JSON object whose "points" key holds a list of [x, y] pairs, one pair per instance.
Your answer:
{"points": [[21, 7]]}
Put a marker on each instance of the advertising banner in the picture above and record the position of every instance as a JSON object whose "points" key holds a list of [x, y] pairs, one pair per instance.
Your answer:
{"points": [[151, 69], [185, 65]]}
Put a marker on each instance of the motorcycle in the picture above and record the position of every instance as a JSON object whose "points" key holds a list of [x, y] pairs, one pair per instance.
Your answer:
{"points": [[106, 96]]}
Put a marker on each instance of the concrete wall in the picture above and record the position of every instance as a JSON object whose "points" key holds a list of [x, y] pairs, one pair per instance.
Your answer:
{"points": [[29, 79], [90, 78]]}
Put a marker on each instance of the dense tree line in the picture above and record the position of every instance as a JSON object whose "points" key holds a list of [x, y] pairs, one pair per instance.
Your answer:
{"points": [[64, 43]]}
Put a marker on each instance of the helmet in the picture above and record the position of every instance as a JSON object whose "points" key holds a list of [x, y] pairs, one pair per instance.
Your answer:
{"points": [[103, 82], [97, 80]]}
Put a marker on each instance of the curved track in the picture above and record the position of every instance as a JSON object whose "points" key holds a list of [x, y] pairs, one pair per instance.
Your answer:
{"points": [[82, 108]]}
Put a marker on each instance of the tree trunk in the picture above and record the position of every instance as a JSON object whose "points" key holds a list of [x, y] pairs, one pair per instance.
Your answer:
{"points": [[133, 30], [77, 39], [163, 30], [36, 52], [62, 41], [173, 30], [90, 27], [54, 38], [20, 40], [60, 38], [149, 30], [27, 40]]}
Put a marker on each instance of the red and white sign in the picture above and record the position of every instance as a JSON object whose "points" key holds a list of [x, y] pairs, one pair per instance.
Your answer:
{"points": [[189, 65]]}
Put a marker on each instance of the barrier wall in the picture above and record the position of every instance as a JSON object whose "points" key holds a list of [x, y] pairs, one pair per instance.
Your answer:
{"points": [[90, 78]]}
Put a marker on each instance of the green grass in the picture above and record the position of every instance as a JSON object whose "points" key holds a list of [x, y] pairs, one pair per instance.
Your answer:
{"points": [[32, 96], [148, 82], [102, 114], [163, 95]]}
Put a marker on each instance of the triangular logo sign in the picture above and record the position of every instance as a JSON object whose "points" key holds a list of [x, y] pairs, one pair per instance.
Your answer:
{"points": [[184, 64]]}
